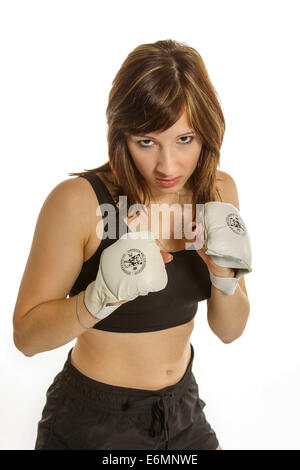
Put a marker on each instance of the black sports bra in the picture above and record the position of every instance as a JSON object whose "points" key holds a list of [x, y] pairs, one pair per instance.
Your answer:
{"points": [[188, 284]]}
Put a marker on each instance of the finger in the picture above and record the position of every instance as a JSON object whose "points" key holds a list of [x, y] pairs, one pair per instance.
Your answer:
{"points": [[203, 255], [167, 257], [117, 303]]}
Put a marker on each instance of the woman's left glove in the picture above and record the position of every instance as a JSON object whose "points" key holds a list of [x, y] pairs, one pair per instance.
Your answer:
{"points": [[227, 242]]}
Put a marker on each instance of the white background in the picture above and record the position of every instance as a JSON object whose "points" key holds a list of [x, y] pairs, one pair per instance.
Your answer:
{"points": [[58, 60]]}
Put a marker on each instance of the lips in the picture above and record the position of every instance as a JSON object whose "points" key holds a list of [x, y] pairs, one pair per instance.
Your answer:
{"points": [[168, 180], [167, 183]]}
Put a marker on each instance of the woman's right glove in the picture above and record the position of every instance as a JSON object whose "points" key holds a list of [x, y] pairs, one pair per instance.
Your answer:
{"points": [[130, 267]]}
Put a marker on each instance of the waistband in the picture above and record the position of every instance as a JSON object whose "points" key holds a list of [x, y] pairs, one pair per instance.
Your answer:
{"points": [[128, 400]]}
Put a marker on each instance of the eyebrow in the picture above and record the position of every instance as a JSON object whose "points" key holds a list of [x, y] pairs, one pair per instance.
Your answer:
{"points": [[149, 136]]}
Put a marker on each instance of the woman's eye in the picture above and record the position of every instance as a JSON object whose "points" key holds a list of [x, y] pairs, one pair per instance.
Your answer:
{"points": [[148, 140], [187, 137], [139, 142]]}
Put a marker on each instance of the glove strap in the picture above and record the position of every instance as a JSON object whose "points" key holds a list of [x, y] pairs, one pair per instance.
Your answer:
{"points": [[104, 312], [225, 284]]}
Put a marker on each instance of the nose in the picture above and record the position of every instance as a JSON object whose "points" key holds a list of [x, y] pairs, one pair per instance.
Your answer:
{"points": [[165, 167]]}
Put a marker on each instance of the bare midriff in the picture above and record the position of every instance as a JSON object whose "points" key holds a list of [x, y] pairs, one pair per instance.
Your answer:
{"points": [[147, 361]]}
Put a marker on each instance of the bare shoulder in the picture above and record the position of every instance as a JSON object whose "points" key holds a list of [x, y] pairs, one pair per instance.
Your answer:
{"points": [[81, 191], [227, 188], [72, 189], [77, 196]]}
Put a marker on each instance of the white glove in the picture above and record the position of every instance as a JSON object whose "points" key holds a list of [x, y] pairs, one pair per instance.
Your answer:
{"points": [[227, 242], [130, 267]]}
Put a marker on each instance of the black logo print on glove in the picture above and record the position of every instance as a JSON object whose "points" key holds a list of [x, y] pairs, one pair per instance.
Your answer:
{"points": [[236, 224], [133, 261]]}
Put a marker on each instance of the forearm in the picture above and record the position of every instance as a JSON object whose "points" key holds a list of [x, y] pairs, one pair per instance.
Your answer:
{"points": [[51, 325], [227, 315]]}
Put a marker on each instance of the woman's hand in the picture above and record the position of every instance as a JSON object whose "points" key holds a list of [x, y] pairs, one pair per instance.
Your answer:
{"points": [[213, 267]]}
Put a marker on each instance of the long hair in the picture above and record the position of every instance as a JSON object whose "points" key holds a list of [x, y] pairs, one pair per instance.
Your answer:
{"points": [[149, 93]]}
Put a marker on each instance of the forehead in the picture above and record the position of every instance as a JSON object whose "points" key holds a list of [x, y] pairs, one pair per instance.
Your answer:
{"points": [[181, 126]]}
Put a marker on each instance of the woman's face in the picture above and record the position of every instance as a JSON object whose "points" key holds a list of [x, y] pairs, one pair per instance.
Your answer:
{"points": [[169, 154]]}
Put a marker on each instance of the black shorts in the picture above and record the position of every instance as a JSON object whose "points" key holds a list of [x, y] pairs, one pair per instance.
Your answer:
{"points": [[83, 414]]}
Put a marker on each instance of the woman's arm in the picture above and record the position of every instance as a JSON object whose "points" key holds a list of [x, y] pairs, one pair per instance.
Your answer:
{"points": [[44, 318], [51, 325], [227, 315]]}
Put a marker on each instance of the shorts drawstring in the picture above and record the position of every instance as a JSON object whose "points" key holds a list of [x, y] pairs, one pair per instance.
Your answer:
{"points": [[159, 411], [160, 416]]}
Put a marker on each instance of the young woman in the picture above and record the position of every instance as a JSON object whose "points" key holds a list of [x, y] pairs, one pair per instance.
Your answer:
{"points": [[128, 381]]}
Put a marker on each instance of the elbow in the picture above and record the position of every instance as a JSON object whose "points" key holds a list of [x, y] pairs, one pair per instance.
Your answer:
{"points": [[232, 338], [228, 341], [19, 344], [237, 335]]}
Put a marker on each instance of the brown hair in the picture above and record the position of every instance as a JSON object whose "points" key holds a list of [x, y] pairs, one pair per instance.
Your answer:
{"points": [[153, 87]]}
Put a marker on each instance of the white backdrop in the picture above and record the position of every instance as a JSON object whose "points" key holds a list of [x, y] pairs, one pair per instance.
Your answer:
{"points": [[58, 60]]}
